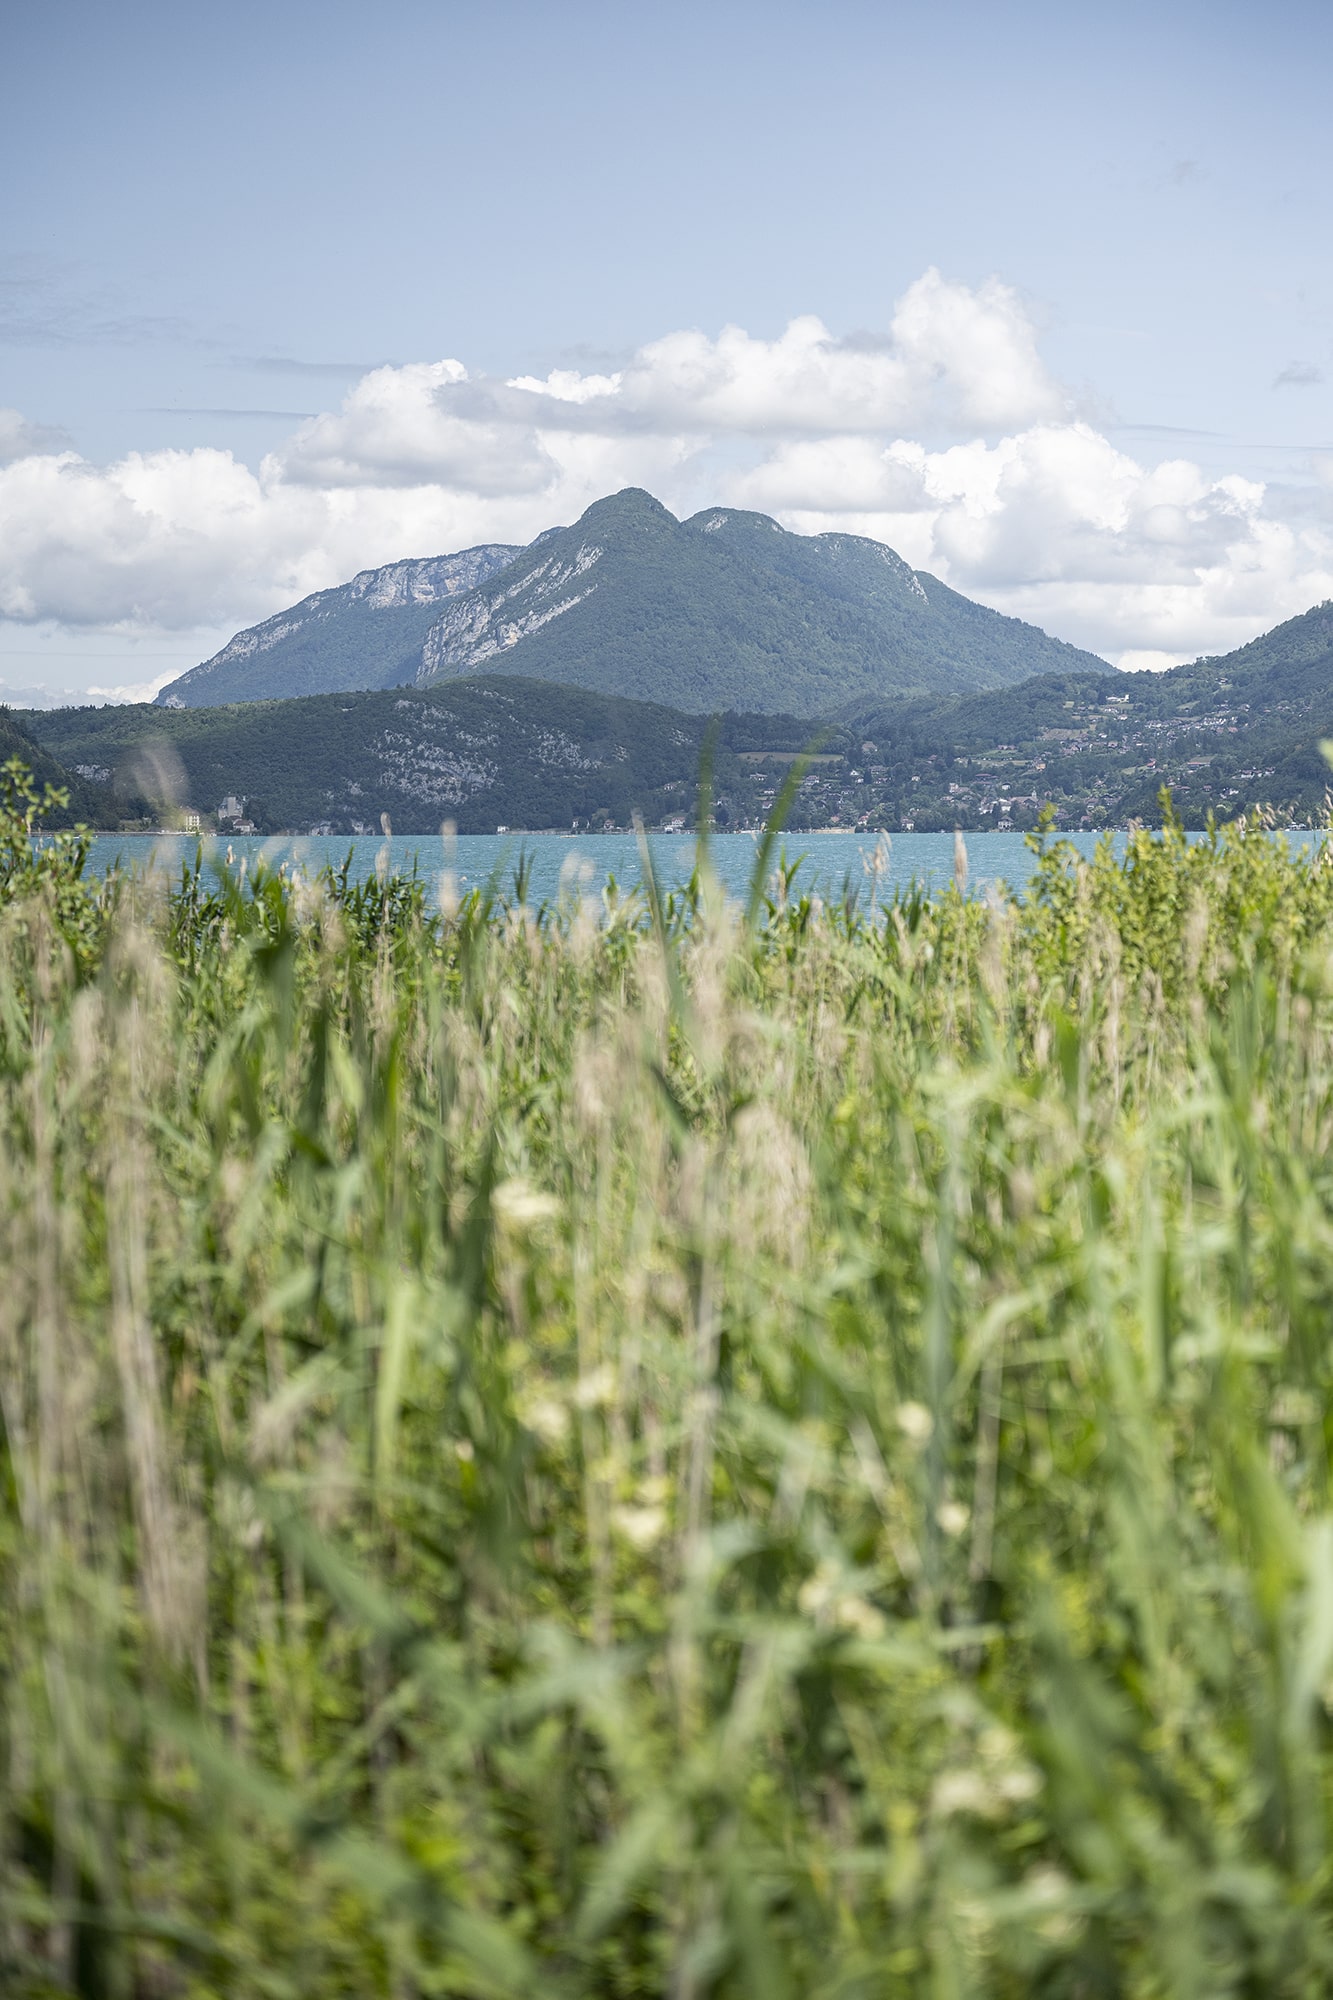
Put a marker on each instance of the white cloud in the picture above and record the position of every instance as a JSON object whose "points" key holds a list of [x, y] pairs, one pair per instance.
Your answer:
{"points": [[173, 539], [946, 438], [401, 427], [566, 385], [953, 356]]}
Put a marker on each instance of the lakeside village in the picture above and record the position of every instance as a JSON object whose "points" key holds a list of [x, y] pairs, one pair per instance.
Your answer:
{"points": [[831, 796], [230, 816]]}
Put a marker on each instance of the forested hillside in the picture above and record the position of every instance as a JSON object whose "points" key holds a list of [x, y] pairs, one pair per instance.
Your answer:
{"points": [[483, 752], [495, 749], [88, 802]]}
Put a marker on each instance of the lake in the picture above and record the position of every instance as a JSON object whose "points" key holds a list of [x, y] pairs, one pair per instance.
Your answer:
{"points": [[584, 862]]}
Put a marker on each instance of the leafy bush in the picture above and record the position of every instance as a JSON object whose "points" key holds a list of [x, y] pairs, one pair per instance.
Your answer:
{"points": [[631, 1451], [42, 880]]}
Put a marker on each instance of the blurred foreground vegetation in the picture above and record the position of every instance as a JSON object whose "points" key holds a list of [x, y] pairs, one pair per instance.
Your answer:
{"points": [[656, 1450]]}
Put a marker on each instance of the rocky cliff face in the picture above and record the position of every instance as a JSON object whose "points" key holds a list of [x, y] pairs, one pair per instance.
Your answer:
{"points": [[491, 622], [429, 579], [365, 633]]}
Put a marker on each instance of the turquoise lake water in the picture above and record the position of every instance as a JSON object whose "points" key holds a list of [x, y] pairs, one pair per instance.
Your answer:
{"points": [[581, 863]]}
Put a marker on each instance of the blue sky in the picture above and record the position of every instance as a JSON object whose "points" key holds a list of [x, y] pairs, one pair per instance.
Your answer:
{"points": [[236, 244]]}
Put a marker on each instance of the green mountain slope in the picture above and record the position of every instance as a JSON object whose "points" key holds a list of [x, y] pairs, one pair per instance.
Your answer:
{"points": [[727, 610], [364, 634]]}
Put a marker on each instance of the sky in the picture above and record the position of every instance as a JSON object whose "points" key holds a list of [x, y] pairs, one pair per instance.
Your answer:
{"points": [[1039, 295]]}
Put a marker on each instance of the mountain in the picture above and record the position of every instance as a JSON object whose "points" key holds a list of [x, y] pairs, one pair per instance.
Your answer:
{"points": [[363, 634], [725, 610]]}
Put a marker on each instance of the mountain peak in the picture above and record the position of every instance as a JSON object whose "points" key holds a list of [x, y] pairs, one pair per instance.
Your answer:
{"points": [[631, 508]]}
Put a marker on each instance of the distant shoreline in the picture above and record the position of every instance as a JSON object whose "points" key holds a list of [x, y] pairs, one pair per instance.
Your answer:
{"points": [[653, 832]]}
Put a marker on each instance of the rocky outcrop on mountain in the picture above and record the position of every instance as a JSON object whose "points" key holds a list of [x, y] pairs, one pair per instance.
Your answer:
{"points": [[487, 623], [362, 634]]}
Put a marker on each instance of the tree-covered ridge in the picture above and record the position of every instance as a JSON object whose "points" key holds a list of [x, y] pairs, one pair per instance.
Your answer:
{"points": [[482, 752], [494, 749], [86, 800]]}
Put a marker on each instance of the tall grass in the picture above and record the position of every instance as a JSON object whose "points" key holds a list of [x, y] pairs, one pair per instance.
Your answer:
{"points": [[645, 1451]]}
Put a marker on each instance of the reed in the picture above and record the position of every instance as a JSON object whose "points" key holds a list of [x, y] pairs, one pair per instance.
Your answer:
{"points": [[656, 1449]]}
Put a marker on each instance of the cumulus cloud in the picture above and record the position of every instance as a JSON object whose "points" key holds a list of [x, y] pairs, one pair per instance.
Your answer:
{"points": [[946, 437], [953, 355], [403, 427], [172, 539], [169, 540]]}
